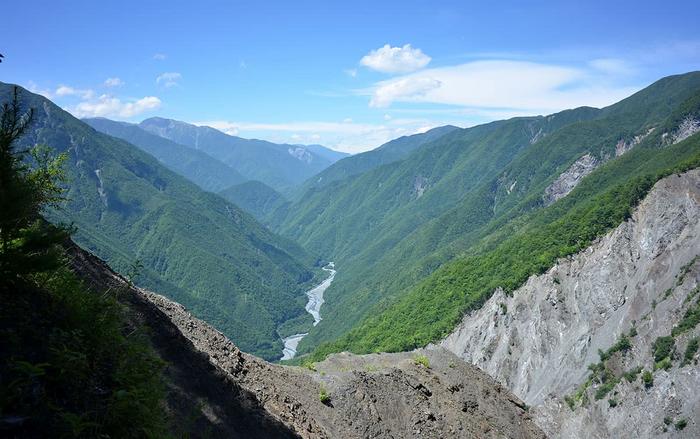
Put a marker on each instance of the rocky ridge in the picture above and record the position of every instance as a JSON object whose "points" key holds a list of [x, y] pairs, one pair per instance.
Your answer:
{"points": [[216, 389]]}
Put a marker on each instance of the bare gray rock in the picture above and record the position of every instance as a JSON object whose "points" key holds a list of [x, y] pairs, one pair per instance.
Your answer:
{"points": [[568, 180]]}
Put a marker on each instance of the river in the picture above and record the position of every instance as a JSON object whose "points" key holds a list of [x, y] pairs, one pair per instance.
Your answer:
{"points": [[313, 307]]}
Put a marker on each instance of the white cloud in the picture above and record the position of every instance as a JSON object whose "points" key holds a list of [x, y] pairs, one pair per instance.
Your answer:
{"points": [[351, 73], [159, 56], [168, 79], [65, 90], [409, 88], [612, 66], [389, 59], [523, 86], [110, 106], [113, 82]]}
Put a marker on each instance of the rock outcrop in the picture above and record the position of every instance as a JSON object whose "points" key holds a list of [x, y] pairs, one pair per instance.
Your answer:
{"points": [[568, 179], [539, 341]]}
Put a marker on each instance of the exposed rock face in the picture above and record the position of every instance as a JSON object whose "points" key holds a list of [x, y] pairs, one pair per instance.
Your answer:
{"points": [[420, 185], [568, 180], [687, 128], [554, 325], [623, 145], [300, 153], [215, 390]]}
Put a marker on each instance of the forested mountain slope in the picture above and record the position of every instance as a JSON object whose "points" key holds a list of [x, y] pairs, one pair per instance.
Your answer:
{"points": [[507, 189], [200, 168], [194, 246], [389, 152], [278, 166], [254, 197]]}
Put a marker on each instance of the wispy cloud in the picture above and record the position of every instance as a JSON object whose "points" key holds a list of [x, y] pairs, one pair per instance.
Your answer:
{"points": [[113, 82], [168, 79], [159, 56], [389, 59], [65, 90], [110, 106], [522, 86]]}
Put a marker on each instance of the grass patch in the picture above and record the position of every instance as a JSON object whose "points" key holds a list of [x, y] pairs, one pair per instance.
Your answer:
{"points": [[422, 360]]}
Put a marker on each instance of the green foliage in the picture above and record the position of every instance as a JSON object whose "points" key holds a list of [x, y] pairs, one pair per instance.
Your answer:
{"points": [[663, 347], [605, 388], [30, 179], [681, 424], [690, 320], [255, 197], [504, 308], [690, 350], [612, 402], [422, 360], [622, 345], [686, 269], [647, 379], [309, 365], [67, 368], [632, 374], [323, 396], [668, 420], [664, 364]]}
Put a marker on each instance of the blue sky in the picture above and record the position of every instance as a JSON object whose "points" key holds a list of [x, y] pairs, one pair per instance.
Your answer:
{"points": [[349, 75]]}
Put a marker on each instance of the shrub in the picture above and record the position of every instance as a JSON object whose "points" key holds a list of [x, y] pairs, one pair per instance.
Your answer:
{"points": [[648, 379], [663, 347], [689, 321], [664, 364], [681, 424], [422, 360], [612, 402], [632, 374], [323, 396], [690, 350]]}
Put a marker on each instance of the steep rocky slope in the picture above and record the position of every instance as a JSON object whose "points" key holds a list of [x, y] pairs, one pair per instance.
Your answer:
{"points": [[215, 389], [635, 284]]}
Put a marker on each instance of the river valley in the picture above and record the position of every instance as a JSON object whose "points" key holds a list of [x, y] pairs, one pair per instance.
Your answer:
{"points": [[313, 307]]}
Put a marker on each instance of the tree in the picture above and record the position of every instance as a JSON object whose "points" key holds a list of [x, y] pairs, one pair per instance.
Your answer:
{"points": [[30, 179]]}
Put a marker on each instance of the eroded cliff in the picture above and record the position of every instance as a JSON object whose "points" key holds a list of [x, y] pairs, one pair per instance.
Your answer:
{"points": [[637, 283]]}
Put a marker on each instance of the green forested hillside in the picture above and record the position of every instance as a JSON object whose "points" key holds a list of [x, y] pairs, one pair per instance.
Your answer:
{"points": [[389, 152], [194, 246], [500, 175], [254, 197], [198, 167], [521, 248], [278, 166]]}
